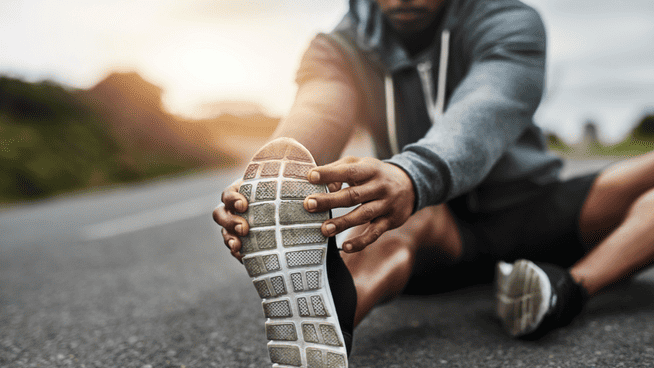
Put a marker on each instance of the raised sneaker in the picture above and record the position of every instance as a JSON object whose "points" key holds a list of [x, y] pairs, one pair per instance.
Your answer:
{"points": [[307, 292], [533, 299]]}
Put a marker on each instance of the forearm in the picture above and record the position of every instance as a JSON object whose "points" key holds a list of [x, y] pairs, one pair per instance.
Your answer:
{"points": [[321, 119], [487, 114], [324, 112]]}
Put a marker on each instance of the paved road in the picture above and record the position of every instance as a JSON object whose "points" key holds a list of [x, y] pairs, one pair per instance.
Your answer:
{"points": [[136, 277]]}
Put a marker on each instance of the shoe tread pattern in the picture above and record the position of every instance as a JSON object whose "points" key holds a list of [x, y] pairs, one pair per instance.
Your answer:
{"points": [[285, 254], [519, 298], [319, 358]]}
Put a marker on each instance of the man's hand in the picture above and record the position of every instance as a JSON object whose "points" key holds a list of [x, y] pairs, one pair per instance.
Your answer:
{"points": [[384, 191], [233, 225]]}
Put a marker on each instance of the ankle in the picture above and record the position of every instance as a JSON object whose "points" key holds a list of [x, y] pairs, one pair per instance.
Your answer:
{"points": [[580, 290], [583, 281]]}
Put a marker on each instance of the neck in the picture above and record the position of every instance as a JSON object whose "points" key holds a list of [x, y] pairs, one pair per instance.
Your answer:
{"points": [[418, 42]]}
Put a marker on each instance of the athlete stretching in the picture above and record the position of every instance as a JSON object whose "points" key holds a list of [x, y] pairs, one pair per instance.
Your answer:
{"points": [[463, 182]]}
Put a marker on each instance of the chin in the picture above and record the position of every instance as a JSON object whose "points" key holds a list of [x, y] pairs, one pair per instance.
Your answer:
{"points": [[408, 28]]}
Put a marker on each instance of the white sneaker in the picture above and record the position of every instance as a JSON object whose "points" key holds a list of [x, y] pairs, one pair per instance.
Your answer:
{"points": [[286, 256]]}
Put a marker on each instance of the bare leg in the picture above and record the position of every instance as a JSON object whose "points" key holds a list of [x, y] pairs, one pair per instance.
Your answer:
{"points": [[618, 215], [382, 270]]}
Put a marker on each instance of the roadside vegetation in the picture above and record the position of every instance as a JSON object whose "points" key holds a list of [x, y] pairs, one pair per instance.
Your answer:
{"points": [[55, 140], [639, 141]]}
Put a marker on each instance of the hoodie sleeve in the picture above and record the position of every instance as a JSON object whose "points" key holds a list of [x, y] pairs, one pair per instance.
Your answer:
{"points": [[487, 112]]}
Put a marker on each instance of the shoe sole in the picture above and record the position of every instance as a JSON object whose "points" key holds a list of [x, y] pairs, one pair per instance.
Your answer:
{"points": [[285, 255], [523, 295]]}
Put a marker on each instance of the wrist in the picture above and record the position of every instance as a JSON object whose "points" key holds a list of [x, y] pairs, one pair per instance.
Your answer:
{"points": [[407, 186]]}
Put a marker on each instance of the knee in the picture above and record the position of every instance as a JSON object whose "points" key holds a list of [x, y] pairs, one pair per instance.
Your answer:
{"points": [[399, 249], [404, 258], [398, 252], [643, 206], [609, 186]]}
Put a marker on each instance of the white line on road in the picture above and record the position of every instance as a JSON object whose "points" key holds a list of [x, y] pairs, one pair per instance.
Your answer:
{"points": [[151, 218]]}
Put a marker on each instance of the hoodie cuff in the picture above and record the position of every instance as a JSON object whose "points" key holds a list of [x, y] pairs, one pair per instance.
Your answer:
{"points": [[428, 184]]}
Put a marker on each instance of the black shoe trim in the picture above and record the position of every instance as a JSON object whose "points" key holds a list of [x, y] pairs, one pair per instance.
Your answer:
{"points": [[343, 291], [567, 301]]}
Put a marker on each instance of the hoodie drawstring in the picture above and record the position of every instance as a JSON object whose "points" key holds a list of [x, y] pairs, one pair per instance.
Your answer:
{"points": [[434, 109]]}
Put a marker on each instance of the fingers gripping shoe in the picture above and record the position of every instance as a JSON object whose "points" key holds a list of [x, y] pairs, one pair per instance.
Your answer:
{"points": [[295, 269], [534, 299]]}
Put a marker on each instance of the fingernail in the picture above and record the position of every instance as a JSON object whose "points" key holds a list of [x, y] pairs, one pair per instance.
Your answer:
{"points": [[312, 204], [331, 187], [330, 228], [314, 176], [347, 247], [238, 228], [239, 205], [231, 244]]}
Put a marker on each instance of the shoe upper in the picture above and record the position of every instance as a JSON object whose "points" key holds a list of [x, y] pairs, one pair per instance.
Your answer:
{"points": [[567, 300]]}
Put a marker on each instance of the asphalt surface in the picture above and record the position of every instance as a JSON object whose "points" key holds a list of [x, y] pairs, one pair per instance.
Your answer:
{"points": [[137, 276]]}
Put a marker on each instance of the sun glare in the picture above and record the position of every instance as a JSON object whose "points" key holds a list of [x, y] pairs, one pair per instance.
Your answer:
{"points": [[212, 67], [195, 68]]}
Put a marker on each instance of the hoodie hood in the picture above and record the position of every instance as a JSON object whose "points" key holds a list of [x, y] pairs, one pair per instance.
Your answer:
{"points": [[365, 24]]}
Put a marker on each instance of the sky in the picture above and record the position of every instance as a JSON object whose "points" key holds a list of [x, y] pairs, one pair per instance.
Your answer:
{"points": [[600, 52]]}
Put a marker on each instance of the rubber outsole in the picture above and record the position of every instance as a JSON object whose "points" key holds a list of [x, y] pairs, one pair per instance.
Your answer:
{"points": [[523, 294], [285, 255]]}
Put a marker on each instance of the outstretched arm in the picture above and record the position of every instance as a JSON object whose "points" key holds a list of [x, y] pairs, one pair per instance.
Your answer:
{"points": [[322, 119], [487, 113]]}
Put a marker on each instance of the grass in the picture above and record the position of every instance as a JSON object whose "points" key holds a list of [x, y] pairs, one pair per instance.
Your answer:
{"points": [[638, 142], [630, 146]]}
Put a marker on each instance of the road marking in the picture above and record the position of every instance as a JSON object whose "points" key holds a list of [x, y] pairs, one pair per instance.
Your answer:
{"points": [[151, 218], [167, 215]]}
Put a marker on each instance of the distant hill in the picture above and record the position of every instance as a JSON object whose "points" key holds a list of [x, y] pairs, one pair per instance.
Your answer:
{"points": [[133, 108], [55, 139]]}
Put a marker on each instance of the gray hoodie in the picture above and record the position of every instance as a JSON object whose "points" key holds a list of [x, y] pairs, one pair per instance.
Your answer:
{"points": [[459, 116]]}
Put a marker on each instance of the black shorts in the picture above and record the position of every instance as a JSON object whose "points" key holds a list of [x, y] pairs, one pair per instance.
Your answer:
{"points": [[542, 229]]}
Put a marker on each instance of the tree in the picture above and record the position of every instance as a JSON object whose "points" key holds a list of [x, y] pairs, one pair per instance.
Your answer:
{"points": [[644, 131]]}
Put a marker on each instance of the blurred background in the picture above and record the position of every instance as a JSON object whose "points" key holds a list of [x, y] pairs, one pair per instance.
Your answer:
{"points": [[105, 92], [146, 109]]}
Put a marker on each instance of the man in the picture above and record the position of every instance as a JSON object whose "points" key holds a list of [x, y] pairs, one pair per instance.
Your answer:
{"points": [[448, 89]]}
